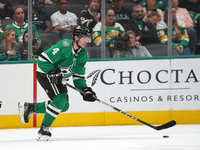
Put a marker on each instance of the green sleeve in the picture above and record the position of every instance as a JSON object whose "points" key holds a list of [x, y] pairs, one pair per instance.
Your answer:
{"points": [[79, 70]]}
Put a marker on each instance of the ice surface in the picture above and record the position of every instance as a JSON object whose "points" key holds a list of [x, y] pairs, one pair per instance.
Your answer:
{"points": [[181, 137]]}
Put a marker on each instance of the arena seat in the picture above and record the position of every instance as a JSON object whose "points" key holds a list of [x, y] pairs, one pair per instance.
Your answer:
{"points": [[48, 39], [5, 22], [76, 8], [50, 9], [65, 35], [129, 5], [93, 51], [18, 1], [157, 49]]}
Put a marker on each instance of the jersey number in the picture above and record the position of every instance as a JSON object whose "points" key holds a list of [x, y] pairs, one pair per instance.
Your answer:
{"points": [[55, 50]]}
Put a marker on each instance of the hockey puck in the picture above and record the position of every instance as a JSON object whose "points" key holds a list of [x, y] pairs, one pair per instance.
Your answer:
{"points": [[165, 136]]}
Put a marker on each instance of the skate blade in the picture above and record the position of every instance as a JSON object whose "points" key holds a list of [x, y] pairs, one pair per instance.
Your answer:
{"points": [[42, 137], [21, 112]]}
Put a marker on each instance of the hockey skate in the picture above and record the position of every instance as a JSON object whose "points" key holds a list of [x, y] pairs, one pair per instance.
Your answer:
{"points": [[43, 133], [25, 111]]}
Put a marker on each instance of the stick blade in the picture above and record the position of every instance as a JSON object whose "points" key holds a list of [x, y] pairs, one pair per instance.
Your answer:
{"points": [[167, 125]]}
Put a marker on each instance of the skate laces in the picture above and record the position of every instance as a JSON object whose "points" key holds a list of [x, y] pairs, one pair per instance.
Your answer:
{"points": [[46, 129]]}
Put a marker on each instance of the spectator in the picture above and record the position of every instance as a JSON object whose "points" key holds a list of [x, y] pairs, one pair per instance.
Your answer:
{"points": [[6, 10], [63, 20], [152, 14], [112, 30], [36, 49], [183, 15], [40, 18], [144, 31], [179, 35], [193, 7], [160, 4], [91, 16], [9, 49], [133, 50], [20, 26], [121, 13]]}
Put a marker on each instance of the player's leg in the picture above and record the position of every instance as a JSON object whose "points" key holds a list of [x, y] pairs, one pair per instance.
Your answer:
{"points": [[26, 109], [56, 92], [66, 107], [53, 109]]}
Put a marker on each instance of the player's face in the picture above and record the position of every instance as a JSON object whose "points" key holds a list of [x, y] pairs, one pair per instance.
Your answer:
{"points": [[11, 37], [131, 42], [94, 5], [83, 41], [19, 15]]}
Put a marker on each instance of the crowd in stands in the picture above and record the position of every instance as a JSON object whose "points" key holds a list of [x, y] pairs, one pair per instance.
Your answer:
{"points": [[144, 21]]}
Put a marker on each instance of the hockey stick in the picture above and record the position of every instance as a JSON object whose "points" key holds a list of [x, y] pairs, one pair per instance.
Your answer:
{"points": [[161, 127]]}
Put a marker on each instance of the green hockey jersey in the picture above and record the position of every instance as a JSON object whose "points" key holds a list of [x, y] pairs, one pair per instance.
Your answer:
{"points": [[19, 31], [111, 33], [162, 31], [63, 56]]}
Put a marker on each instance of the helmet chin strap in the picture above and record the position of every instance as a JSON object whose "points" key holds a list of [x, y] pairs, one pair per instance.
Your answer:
{"points": [[77, 43]]}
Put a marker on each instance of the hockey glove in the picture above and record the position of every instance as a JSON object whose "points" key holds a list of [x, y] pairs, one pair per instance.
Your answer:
{"points": [[55, 76], [90, 95]]}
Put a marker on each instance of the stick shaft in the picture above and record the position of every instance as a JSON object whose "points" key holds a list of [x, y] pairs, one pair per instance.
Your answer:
{"points": [[167, 125]]}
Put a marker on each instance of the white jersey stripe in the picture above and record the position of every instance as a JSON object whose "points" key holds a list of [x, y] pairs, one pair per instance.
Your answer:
{"points": [[55, 109], [47, 57], [41, 59], [50, 113]]}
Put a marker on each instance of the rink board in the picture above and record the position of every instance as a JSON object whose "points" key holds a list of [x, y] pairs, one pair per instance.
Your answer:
{"points": [[153, 90], [106, 119]]}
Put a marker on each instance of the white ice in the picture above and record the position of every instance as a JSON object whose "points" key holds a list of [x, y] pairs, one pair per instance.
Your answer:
{"points": [[140, 137]]}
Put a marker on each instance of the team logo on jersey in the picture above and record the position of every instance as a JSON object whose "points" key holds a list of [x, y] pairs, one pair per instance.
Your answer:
{"points": [[2, 5], [66, 71], [146, 28], [65, 44]]}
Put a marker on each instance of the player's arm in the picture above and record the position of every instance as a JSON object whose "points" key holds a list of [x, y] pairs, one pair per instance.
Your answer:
{"points": [[79, 79]]}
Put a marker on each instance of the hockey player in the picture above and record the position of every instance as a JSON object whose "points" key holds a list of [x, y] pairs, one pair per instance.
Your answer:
{"points": [[64, 59]]}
